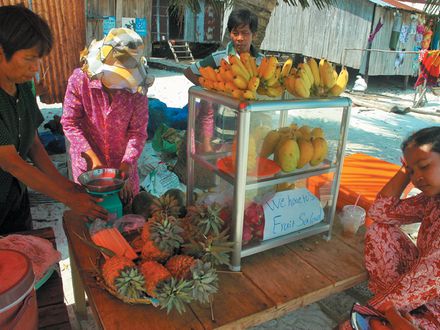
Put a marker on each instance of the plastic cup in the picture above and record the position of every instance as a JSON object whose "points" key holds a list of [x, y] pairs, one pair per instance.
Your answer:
{"points": [[352, 217]]}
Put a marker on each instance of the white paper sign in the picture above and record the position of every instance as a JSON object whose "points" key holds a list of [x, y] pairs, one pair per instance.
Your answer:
{"points": [[289, 211]]}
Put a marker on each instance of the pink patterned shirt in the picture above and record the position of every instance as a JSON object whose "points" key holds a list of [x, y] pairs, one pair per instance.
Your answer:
{"points": [[115, 131], [421, 284]]}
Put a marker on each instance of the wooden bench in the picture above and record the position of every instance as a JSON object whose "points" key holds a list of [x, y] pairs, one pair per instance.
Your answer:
{"points": [[52, 311], [271, 284]]}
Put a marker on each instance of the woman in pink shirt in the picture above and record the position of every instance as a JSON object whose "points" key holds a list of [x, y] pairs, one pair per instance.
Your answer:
{"points": [[105, 111]]}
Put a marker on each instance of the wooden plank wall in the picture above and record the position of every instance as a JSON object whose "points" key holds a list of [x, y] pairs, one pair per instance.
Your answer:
{"points": [[383, 63], [320, 33], [66, 20], [97, 9], [327, 33]]}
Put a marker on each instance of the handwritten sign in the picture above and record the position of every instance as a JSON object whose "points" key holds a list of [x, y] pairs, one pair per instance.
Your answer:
{"points": [[289, 211]]}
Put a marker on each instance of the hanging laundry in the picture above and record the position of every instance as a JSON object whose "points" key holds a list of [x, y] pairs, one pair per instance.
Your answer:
{"points": [[398, 60], [413, 24], [403, 38], [376, 29]]}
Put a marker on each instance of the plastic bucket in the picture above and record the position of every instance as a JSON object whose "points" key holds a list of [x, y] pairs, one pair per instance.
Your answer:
{"points": [[18, 301]]}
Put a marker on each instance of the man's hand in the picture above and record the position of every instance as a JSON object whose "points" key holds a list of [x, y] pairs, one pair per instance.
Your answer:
{"points": [[86, 205]]}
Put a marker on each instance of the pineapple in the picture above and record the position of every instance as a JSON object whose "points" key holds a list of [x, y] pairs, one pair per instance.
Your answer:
{"points": [[154, 273], [164, 237], [166, 205], [122, 276], [207, 218], [180, 266], [205, 281]]}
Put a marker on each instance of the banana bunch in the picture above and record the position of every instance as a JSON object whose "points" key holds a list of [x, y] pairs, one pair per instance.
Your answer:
{"points": [[237, 78], [294, 147], [270, 74], [316, 79]]}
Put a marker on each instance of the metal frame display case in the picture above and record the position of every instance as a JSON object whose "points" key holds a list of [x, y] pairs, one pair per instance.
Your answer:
{"points": [[333, 113]]}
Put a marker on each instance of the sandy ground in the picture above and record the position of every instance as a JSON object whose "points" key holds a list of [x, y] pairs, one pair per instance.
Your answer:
{"points": [[374, 132]]}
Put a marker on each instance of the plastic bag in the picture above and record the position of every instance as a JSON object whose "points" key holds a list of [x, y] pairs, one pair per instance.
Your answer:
{"points": [[160, 180], [129, 222]]}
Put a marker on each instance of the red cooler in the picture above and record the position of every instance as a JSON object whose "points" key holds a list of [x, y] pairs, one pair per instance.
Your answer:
{"points": [[18, 302]]}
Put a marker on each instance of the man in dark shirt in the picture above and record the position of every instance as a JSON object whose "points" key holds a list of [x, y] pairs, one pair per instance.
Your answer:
{"points": [[24, 39]]}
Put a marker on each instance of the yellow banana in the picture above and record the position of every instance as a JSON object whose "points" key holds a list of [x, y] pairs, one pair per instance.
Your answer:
{"points": [[275, 91], [315, 71], [271, 68], [237, 94], [302, 73], [249, 95], [261, 90], [341, 83], [253, 83], [235, 60], [240, 82], [308, 71], [275, 78], [246, 60], [253, 64], [300, 89], [262, 67], [326, 72], [286, 67], [238, 71], [210, 72]]}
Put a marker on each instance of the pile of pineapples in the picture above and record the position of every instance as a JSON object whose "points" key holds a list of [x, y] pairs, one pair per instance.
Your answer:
{"points": [[177, 257]]}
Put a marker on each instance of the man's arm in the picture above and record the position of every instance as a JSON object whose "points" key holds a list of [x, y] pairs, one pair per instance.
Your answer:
{"points": [[191, 76]]}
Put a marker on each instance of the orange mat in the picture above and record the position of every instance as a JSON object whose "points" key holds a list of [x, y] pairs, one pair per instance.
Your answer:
{"points": [[361, 175]]}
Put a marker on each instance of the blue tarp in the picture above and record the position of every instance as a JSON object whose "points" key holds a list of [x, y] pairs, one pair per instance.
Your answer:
{"points": [[160, 113]]}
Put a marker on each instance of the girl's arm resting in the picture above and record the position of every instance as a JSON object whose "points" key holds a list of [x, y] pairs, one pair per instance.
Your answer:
{"points": [[397, 184]]}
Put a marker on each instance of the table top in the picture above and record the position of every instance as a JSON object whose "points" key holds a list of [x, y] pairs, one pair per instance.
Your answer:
{"points": [[271, 284]]}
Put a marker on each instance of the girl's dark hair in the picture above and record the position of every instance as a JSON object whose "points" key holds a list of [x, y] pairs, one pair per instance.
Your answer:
{"points": [[428, 135], [241, 17], [20, 28]]}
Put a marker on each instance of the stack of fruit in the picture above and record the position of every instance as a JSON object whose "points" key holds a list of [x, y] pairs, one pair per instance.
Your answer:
{"points": [[176, 260], [241, 78], [293, 147]]}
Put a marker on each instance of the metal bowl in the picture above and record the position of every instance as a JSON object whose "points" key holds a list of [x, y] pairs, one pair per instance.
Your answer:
{"points": [[102, 180]]}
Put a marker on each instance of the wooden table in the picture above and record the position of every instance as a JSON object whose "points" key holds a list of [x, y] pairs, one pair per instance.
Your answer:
{"points": [[52, 311], [271, 284]]}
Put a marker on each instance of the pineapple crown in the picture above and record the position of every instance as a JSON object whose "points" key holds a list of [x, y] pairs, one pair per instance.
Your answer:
{"points": [[204, 282], [207, 218], [166, 205], [131, 283], [166, 233], [174, 293], [214, 249]]}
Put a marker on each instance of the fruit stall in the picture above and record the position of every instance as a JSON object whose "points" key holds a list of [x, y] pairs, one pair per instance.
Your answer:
{"points": [[265, 175]]}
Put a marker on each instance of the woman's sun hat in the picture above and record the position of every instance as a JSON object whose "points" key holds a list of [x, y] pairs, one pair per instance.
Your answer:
{"points": [[118, 61]]}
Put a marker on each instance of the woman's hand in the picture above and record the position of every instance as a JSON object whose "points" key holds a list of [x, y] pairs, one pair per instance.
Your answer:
{"points": [[86, 205], [126, 193], [91, 159]]}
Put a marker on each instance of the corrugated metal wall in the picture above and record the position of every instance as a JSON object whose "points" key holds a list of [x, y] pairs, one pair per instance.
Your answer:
{"points": [[320, 33], [326, 33], [383, 64], [66, 19]]}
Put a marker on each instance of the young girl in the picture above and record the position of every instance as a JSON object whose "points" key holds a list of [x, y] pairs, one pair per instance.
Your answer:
{"points": [[403, 274]]}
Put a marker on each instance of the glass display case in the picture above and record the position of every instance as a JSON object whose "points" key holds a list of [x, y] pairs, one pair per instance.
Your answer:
{"points": [[273, 164]]}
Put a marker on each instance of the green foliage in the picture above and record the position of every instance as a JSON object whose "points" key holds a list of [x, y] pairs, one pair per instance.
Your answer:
{"points": [[205, 281], [174, 294]]}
